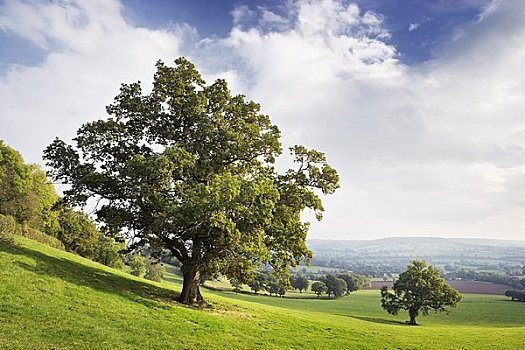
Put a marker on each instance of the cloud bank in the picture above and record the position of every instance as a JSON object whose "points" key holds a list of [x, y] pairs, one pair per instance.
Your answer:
{"points": [[432, 149]]}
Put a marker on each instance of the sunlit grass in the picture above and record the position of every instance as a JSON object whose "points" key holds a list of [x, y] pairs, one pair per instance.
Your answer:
{"points": [[54, 300]]}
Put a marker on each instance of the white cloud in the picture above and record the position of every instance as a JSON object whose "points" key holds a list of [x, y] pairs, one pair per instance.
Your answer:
{"points": [[425, 150], [413, 26], [435, 149], [90, 49], [271, 17]]}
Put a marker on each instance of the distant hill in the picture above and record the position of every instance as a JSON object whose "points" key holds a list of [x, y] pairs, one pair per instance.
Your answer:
{"points": [[391, 255], [411, 242]]}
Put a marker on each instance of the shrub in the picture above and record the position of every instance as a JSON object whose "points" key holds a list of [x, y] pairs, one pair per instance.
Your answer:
{"points": [[137, 264], [9, 227], [39, 236], [154, 270], [108, 252]]}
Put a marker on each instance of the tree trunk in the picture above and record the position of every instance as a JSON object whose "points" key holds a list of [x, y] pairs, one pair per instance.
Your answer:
{"points": [[190, 287], [413, 316]]}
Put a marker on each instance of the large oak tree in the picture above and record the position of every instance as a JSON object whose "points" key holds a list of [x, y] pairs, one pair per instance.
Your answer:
{"points": [[189, 168]]}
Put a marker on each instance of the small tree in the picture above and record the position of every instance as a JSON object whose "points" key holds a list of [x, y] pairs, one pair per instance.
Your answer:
{"points": [[336, 286], [319, 288], [419, 289], [77, 232], [282, 290], [258, 282], [108, 252], [299, 282], [137, 264], [154, 270], [274, 285], [515, 295], [25, 192], [353, 281], [236, 284]]}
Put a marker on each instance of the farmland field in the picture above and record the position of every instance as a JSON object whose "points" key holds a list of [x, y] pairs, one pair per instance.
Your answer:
{"points": [[472, 287], [55, 300]]}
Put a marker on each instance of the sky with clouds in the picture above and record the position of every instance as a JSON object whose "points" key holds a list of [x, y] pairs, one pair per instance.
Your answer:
{"points": [[420, 105]]}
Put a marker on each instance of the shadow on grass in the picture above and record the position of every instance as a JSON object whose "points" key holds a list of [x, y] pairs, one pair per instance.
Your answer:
{"points": [[378, 320], [85, 276]]}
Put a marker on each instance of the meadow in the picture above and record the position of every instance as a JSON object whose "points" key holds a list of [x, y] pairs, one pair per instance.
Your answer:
{"points": [[51, 299]]}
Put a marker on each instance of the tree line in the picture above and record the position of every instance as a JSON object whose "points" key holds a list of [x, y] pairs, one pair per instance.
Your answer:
{"points": [[332, 285], [30, 206], [500, 278]]}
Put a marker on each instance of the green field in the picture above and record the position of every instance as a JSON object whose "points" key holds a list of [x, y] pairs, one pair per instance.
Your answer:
{"points": [[51, 299]]}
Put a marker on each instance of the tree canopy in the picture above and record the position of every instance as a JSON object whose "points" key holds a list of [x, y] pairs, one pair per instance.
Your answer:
{"points": [[419, 289], [514, 294], [319, 288], [299, 282], [25, 192], [190, 168], [354, 281], [335, 286]]}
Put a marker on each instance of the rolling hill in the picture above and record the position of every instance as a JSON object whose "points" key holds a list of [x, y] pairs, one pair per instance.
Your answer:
{"points": [[51, 299]]}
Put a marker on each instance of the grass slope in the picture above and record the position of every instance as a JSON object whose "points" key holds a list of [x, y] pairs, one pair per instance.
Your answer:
{"points": [[50, 299]]}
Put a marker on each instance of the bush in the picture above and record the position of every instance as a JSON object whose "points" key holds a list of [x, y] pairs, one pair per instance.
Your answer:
{"points": [[9, 227], [39, 236], [108, 252], [77, 232], [236, 284], [319, 288], [137, 264], [154, 270]]}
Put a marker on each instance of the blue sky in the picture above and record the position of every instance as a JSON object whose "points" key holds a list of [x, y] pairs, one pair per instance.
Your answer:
{"points": [[418, 104], [417, 27], [431, 22]]}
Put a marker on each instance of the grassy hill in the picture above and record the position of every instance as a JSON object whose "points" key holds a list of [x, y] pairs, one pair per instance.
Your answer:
{"points": [[50, 299]]}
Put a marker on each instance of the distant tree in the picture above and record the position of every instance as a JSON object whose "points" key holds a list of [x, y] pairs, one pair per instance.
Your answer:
{"points": [[78, 233], [299, 282], [25, 192], [341, 288], [282, 290], [335, 286], [154, 270], [258, 282], [191, 168], [137, 264], [274, 284], [515, 295], [236, 284], [419, 289], [319, 288], [353, 281], [109, 252]]}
